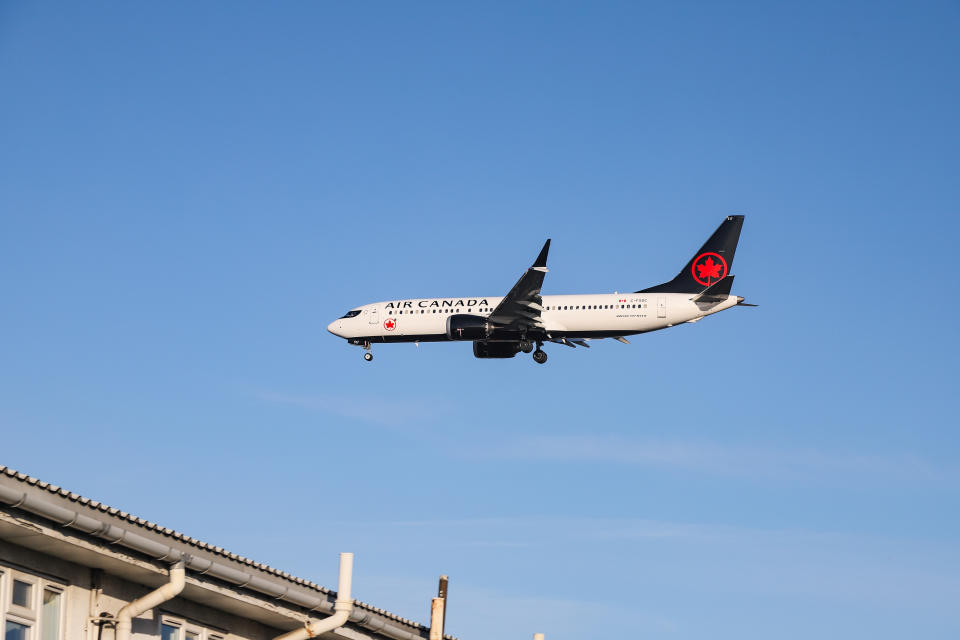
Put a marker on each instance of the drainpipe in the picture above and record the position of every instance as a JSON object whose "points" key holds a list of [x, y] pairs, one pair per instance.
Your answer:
{"points": [[158, 596], [342, 607]]}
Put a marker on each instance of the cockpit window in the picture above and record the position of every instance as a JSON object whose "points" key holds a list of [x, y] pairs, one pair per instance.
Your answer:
{"points": [[351, 314]]}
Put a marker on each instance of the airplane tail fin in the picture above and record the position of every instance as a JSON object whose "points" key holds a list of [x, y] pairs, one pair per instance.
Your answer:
{"points": [[711, 264]]}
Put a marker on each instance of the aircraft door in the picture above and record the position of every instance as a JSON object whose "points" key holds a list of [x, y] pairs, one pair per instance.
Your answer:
{"points": [[662, 307], [373, 317]]}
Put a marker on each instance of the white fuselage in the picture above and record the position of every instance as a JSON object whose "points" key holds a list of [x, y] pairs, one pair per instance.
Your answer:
{"points": [[566, 316]]}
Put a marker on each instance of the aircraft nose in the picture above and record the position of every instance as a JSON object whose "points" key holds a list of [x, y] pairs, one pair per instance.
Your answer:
{"points": [[334, 328]]}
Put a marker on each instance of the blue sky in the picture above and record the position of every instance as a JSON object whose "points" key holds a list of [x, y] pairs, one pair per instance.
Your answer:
{"points": [[190, 192]]}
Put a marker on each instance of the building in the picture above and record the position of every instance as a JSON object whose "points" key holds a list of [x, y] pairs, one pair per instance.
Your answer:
{"points": [[70, 568]]}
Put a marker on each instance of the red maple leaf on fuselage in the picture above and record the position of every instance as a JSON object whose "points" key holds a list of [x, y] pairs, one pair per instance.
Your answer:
{"points": [[708, 269]]}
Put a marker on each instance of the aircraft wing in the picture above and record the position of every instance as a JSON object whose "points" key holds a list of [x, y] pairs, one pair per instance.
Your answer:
{"points": [[521, 308]]}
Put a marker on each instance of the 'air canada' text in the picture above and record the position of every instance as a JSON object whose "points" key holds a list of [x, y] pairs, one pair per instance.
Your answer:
{"points": [[409, 304]]}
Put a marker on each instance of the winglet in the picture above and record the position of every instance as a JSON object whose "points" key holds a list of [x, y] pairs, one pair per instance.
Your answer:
{"points": [[541, 261]]}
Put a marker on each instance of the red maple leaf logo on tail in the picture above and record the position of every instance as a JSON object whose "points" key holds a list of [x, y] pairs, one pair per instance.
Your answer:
{"points": [[709, 269]]}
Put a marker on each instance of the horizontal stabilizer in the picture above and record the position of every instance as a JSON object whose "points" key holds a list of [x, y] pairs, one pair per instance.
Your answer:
{"points": [[716, 292]]}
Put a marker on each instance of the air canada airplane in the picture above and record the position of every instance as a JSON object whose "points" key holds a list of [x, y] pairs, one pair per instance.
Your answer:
{"points": [[501, 327]]}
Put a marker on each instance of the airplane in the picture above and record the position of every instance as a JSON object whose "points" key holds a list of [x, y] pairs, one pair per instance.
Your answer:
{"points": [[502, 327]]}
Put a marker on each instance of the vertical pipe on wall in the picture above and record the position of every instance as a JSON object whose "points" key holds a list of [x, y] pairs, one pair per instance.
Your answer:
{"points": [[166, 592], [342, 607]]}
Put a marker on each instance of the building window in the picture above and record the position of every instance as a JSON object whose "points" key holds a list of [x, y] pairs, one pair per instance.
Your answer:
{"points": [[50, 615], [169, 631], [175, 628], [15, 631], [30, 607], [21, 593]]}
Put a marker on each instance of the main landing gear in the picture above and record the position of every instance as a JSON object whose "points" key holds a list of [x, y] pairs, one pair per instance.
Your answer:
{"points": [[526, 346], [539, 356]]}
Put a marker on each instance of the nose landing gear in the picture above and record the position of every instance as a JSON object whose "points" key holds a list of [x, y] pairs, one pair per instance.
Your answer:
{"points": [[368, 356]]}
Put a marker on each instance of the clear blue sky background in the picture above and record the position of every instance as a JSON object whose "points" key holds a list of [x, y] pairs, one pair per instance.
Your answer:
{"points": [[190, 192]]}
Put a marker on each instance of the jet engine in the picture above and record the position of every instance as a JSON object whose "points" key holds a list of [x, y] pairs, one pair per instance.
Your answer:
{"points": [[462, 326], [483, 349]]}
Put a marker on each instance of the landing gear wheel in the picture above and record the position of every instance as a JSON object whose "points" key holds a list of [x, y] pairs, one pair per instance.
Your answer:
{"points": [[368, 356], [526, 346], [539, 356]]}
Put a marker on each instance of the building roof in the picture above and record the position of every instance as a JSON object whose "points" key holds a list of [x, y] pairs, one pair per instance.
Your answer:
{"points": [[171, 535]]}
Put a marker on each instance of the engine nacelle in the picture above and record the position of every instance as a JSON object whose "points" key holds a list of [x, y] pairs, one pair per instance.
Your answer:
{"points": [[495, 349], [462, 326]]}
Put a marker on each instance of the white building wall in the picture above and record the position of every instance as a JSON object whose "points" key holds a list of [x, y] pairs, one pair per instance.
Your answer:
{"points": [[81, 600]]}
